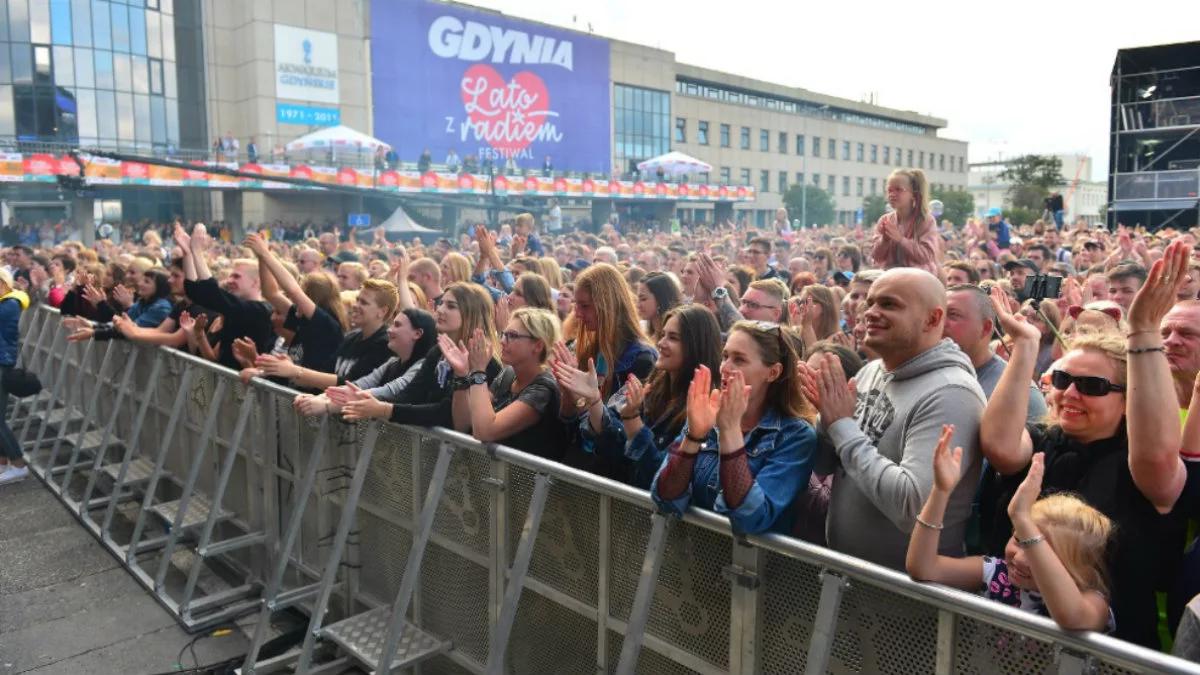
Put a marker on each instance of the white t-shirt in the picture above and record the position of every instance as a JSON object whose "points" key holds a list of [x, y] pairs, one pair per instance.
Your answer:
{"points": [[554, 222]]}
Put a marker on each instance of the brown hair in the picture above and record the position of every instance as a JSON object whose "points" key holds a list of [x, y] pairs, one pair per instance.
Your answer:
{"points": [[385, 295], [323, 290], [919, 185], [776, 344], [617, 318], [821, 295]]}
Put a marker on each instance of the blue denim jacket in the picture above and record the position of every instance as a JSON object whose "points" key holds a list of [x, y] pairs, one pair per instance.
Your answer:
{"points": [[642, 454], [506, 282], [149, 316], [780, 451]]}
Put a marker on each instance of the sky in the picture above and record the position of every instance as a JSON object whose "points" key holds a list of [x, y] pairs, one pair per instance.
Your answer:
{"points": [[1011, 78]]}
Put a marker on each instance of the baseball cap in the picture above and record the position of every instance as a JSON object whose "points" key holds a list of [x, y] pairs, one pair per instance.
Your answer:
{"points": [[1023, 262], [994, 211]]}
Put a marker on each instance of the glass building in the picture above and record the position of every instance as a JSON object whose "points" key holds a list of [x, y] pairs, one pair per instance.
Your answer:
{"points": [[89, 72]]}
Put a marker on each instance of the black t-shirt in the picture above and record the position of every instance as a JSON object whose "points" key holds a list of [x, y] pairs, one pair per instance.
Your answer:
{"points": [[546, 438], [242, 318], [1098, 473], [359, 355], [318, 339]]}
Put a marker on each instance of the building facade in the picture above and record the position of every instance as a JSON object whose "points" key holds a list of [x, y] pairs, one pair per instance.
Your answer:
{"points": [[184, 78]]}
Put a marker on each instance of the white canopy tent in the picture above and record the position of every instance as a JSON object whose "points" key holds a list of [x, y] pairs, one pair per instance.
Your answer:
{"points": [[401, 223], [674, 163], [339, 139]]}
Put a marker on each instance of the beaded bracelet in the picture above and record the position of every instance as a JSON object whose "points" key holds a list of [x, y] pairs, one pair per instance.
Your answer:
{"points": [[690, 437], [1032, 541]]}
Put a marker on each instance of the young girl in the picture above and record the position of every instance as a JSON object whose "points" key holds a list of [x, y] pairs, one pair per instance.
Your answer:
{"points": [[1053, 565]]}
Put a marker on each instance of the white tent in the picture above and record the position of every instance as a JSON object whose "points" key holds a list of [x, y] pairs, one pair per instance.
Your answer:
{"points": [[401, 223], [338, 138], [674, 163]]}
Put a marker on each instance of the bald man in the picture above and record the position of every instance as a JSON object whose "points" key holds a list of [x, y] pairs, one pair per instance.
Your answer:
{"points": [[884, 438]]}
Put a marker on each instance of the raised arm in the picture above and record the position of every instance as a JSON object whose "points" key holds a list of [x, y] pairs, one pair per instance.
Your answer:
{"points": [[923, 561], [200, 243], [1002, 436], [1151, 406], [400, 277], [184, 241], [276, 278]]}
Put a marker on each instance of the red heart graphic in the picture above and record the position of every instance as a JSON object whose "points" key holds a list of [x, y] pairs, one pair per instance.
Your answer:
{"points": [[508, 116]]}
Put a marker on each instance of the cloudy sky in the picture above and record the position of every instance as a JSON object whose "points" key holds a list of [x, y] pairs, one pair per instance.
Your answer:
{"points": [[1011, 77]]}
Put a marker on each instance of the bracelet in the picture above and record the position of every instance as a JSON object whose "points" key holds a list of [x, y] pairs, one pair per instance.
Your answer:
{"points": [[929, 525], [1147, 350], [697, 441], [1032, 541], [730, 456], [634, 416]]}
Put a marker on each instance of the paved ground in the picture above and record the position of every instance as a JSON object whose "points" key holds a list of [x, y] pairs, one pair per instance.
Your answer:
{"points": [[67, 606]]}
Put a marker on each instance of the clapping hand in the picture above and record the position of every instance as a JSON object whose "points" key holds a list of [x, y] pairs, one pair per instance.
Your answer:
{"points": [[584, 385], [365, 406], [947, 465], [835, 396], [122, 296], [256, 243], [479, 352], [735, 397], [276, 365], [93, 295], [703, 404], [123, 324], [711, 276], [503, 311], [1021, 504], [245, 351], [183, 239], [1156, 297], [1014, 325], [634, 395], [455, 354]]}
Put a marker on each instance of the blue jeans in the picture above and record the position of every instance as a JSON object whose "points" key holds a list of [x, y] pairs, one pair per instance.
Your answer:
{"points": [[1058, 219], [10, 448]]}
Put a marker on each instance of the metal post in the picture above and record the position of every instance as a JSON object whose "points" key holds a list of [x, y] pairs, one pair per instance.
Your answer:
{"points": [[639, 613], [59, 382], [502, 629], [131, 446], [33, 362], [746, 601], [52, 394], [820, 644], [412, 567], [88, 412], [604, 555], [185, 386], [68, 404], [947, 627], [189, 485], [102, 449], [210, 523], [329, 576]]}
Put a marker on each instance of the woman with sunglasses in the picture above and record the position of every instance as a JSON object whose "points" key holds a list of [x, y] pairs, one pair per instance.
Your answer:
{"points": [[520, 407], [1119, 453], [635, 428], [746, 449]]}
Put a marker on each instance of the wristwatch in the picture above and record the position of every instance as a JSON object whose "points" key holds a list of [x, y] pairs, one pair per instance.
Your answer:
{"points": [[477, 377], [720, 293]]}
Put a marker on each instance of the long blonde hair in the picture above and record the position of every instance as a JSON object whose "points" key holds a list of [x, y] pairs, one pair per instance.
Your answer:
{"points": [[458, 266], [1079, 535], [616, 316], [475, 306], [919, 185], [543, 325]]}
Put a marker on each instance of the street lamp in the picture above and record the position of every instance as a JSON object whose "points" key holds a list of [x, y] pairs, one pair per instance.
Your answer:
{"points": [[804, 169]]}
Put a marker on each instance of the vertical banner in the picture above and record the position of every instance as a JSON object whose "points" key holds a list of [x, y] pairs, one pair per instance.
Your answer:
{"points": [[449, 78]]}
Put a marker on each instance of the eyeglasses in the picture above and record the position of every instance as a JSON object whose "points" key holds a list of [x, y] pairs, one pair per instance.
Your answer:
{"points": [[1085, 384], [754, 306], [510, 335]]}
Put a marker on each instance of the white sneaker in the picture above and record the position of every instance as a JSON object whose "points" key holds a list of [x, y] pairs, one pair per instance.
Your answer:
{"points": [[14, 475]]}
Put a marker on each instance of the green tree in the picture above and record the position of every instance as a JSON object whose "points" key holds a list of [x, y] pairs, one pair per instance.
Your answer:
{"points": [[1018, 215], [957, 205], [1031, 177], [873, 209], [819, 205]]}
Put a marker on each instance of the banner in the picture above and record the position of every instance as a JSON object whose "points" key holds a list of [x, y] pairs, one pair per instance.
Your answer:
{"points": [[447, 77], [306, 64]]}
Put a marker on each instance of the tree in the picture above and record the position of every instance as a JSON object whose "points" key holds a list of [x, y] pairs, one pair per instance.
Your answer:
{"points": [[873, 209], [819, 205], [957, 205], [1018, 215], [1031, 177]]}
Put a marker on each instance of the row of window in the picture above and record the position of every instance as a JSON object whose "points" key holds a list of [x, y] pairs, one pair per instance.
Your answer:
{"points": [[64, 66], [761, 100], [141, 27], [863, 187], [850, 152]]}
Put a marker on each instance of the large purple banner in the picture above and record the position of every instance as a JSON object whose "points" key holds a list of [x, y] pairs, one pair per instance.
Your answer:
{"points": [[445, 78]]}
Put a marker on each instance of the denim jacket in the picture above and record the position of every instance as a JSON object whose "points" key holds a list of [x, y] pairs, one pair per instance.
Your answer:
{"points": [[505, 278], [641, 455], [780, 451]]}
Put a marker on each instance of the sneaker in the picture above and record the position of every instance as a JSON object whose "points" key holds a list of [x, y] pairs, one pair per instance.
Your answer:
{"points": [[14, 475]]}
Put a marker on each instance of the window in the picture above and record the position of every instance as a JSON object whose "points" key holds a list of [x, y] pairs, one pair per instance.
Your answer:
{"points": [[641, 129], [858, 187], [81, 26], [60, 21], [764, 181], [724, 135], [745, 177], [833, 149], [910, 158], [817, 179], [942, 162], [702, 133], [799, 178], [800, 145], [898, 155], [764, 140], [816, 146], [680, 130], [858, 152], [783, 144], [831, 182], [874, 154], [745, 140], [704, 177], [921, 159], [725, 174], [783, 184], [887, 154], [845, 186], [874, 186]]}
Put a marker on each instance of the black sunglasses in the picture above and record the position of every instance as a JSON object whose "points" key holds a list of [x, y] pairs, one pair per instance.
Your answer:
{"points": [[1084, 384]]}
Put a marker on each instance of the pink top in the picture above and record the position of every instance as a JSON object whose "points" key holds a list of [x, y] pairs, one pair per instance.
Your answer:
{"points": [[924, 252]]}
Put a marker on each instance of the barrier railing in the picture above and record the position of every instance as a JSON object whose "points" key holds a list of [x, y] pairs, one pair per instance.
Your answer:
{"points": [[424, 547]]}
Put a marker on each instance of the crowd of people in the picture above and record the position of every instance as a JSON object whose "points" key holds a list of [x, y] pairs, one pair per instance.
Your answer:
{"points": [[904, 393]]}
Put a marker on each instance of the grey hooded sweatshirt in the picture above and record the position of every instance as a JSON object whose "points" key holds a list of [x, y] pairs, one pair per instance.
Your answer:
{"points": [[886, 454]]}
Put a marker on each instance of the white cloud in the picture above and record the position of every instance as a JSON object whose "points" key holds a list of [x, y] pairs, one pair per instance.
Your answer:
{"points": [[1010, 77]]}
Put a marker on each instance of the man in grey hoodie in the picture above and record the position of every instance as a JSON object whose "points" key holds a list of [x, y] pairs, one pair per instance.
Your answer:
{"points": [[885, 424]]}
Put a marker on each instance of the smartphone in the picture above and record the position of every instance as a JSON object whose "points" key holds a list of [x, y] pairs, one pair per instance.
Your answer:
{"points": [[1039, 287]]}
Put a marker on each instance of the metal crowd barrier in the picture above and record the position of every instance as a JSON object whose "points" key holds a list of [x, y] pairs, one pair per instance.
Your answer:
{"points": [[426, 549]]}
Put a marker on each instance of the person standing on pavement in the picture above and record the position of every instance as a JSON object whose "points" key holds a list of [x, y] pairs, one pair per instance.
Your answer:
{"points": [[12, 303]]}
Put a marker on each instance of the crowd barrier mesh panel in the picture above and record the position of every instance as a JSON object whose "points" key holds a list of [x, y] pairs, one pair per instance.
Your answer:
{"points": [[566, 552], [791, 592]]}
